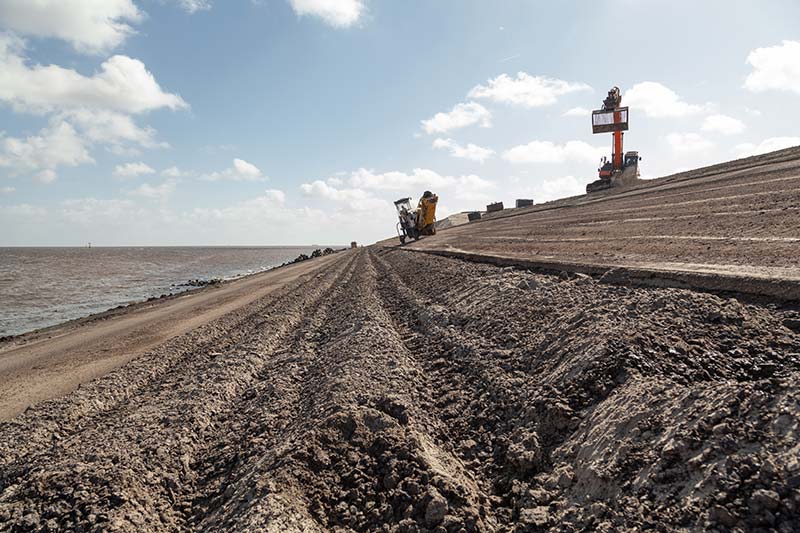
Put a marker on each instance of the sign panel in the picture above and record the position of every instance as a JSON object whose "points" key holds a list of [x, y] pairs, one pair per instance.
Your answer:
{"points": [[608, 121]]}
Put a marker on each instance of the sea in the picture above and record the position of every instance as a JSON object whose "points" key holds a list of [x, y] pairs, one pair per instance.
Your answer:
{"points": [[41, 287]]}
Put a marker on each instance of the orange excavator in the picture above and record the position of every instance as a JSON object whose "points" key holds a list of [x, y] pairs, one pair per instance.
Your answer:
{"points": [[620, 170]]}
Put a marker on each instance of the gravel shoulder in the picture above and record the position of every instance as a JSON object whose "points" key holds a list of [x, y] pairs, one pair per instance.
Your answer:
{"points": [[398, 391]]}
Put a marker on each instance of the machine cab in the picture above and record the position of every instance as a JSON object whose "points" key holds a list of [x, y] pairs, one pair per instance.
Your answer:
{"points": [[403, 206], [606, 168], [631, 159]]}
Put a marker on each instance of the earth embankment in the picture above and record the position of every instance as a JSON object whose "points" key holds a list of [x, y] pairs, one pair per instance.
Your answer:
{"points": [[730, 227], [401, 391]]}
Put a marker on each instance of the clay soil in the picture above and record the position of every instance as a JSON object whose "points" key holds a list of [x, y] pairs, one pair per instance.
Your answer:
{"points": [[398, 391]]}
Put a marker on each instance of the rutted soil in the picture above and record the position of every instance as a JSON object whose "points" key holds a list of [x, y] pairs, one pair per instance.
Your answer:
{"points": [[398, 391]]}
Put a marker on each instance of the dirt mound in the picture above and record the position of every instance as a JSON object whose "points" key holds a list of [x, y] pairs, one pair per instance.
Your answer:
{"points": [[403, 392]]}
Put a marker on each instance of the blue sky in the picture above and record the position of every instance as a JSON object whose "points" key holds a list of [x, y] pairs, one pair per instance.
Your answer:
{"points": [[242, 122]]}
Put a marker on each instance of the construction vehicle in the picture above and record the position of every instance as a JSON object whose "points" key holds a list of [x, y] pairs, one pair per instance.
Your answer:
{"points": [[619, 170], [414, 223]]}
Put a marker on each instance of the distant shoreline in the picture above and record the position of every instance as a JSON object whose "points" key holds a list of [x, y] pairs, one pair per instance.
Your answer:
{"points": [[52, 361], [213, 246], [189, 286]]}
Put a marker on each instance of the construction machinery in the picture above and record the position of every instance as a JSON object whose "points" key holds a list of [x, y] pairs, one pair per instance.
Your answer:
{"points": [[619, 170], [414, 223]]}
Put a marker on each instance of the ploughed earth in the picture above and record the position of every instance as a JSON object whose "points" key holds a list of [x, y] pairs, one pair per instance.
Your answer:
{"points": [[400, 391]]}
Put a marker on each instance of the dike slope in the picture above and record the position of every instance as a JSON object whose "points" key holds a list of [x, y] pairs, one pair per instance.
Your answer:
{"points": [[729, 227], [399, 391]]}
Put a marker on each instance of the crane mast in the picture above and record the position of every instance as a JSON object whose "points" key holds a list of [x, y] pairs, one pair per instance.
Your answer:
{"points": [[622, 169]]}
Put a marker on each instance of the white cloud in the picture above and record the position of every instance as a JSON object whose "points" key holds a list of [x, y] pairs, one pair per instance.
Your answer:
{"points": [[775, 67], [46, 176], [766, 146], [83, 111], [367, 191], [122, 84], [723, 124], [471, 151], [193, 6], [7, 190], [250, 222], [174, 172], [549, 152], [90, 210], [154, 192], [460, 116], [258, 216], [526, 90], [357, 199], [270, 198], [322, 189], [399, 181], [240, 170], [56, 145], [556, 188], [475, 183], [132, 170], [92, 26], [658, 101], [23, 210], [243, 168], [577, 112], [124, 151], [112, 128], [337, 13], [473, 188], [275, 196], [688, 142]]}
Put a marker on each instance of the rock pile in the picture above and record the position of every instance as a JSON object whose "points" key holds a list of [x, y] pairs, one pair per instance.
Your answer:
{"points": [[316, 253]]}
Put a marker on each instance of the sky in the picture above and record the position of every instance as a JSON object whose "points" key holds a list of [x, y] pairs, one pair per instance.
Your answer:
{"points": [[276, 122]]}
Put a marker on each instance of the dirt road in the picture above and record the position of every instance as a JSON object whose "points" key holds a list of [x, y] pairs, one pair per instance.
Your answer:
{"points": [[52, 362], [734, 226], [399, 391]]}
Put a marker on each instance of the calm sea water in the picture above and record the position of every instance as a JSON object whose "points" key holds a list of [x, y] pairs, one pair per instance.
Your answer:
{"points": [[41, 287]]}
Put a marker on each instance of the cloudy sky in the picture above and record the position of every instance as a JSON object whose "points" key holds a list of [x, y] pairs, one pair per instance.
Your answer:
{"points": [[263, 122]]}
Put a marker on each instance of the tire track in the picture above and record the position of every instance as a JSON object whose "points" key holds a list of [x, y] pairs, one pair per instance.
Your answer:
{"points": [[398, 391], [345, 420], [522, 365]]}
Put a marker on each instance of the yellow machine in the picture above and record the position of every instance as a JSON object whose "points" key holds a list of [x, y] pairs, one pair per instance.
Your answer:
{"points": [[416, 222], [426, 213]]}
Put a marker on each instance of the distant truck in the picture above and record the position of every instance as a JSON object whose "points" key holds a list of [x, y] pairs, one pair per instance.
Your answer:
{"points": [[354, 244]]}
